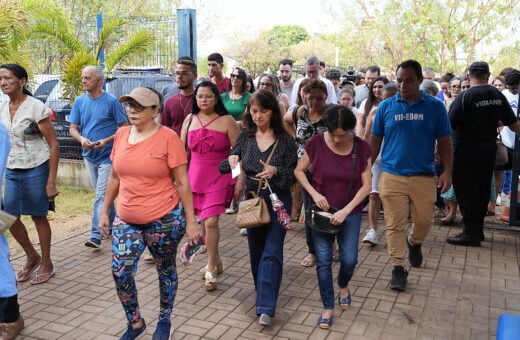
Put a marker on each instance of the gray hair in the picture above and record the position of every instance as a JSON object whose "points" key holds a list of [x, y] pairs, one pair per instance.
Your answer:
{"points": [[429, 87], [98, 71], [312, 61]]}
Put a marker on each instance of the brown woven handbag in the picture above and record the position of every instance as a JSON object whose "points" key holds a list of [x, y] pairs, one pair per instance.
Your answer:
{"points": [[253, 212]]}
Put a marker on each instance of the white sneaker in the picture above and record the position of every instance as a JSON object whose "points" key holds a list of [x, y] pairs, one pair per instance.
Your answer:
{"points": [[499, 200], [370, 237], [243, 231], [265, 320], [232, 209]]}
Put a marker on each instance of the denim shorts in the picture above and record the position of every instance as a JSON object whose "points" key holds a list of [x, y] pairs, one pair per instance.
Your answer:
{"points": [[25, 191]]}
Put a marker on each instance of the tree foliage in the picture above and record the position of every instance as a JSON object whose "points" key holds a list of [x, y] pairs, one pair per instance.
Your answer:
{"points": [[444, 34], [285, 35], [13, 28]]}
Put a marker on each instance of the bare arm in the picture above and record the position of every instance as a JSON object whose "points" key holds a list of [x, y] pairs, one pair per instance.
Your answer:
{"points": [[49, 134], [375, 144], [288, 122], [184, 128], [319, 199], [370, 121], [110, 195], [74, 133], [444, 147], [182, 183], [233, 130]]}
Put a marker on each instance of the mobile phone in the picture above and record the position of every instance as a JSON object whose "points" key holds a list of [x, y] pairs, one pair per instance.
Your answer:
{"points": [[95, 143], [52, 206]]}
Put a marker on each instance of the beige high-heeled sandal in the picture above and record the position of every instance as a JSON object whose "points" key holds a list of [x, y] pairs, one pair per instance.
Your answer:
{"points": [[220, 269], [210, 280]]}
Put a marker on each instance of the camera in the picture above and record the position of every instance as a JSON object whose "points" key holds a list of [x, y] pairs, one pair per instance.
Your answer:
{"points": [[32, 129], [352, 75]]}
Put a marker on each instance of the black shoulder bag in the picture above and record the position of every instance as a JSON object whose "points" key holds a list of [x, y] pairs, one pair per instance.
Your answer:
{"points": [[320, 219]]}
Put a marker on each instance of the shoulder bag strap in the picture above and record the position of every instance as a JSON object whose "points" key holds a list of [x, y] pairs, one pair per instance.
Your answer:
{"points": [[260, 182], [354, 157]]}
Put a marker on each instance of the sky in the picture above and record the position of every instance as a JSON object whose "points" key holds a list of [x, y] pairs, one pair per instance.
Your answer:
{"points": [[250, 16]]}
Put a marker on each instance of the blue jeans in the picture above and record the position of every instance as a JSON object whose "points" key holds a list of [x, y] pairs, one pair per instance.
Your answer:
{"points": [[99, 174], [348, 239], [506, 181], [266, 256]]}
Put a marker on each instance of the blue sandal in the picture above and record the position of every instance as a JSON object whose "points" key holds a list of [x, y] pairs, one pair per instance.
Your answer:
{"points": [[324, 323], [345, 302]]}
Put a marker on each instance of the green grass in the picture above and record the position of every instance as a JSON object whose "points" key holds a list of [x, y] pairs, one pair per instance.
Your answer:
{"points": [[70, 203]]}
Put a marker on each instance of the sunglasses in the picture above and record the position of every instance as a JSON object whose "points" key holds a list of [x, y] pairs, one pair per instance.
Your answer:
{"points": [[233, 76]]}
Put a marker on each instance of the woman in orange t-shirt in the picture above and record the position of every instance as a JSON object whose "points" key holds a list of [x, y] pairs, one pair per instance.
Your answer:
{"points": [[155, 206]]}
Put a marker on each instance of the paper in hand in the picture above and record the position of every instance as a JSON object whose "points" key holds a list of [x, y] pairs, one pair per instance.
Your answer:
{"points": [[236, 171]]}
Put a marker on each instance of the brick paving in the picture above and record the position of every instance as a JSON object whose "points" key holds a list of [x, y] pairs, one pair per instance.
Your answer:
{"points": [[458, 293]]}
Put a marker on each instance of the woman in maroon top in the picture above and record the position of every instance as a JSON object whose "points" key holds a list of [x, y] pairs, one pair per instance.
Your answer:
{"points": [[336, 182]]}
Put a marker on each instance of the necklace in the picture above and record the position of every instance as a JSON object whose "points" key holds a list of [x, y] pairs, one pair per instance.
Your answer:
{"points": [[188, 104], [236, 97]]}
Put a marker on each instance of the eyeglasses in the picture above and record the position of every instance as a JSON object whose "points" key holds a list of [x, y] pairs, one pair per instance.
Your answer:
{"points": [[202, 97], [455, 87], [137, 107], [235, 76], [265, 84], [183, 74]]}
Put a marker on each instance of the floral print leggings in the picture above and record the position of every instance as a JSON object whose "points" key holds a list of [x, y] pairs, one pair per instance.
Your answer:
{"points": [[162, 238]]}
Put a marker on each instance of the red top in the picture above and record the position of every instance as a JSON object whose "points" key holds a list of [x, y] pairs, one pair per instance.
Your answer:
{"points": [[223, 86]]}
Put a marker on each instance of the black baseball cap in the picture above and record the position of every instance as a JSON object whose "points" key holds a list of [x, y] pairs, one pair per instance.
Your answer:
{"points": [[479, 67]]}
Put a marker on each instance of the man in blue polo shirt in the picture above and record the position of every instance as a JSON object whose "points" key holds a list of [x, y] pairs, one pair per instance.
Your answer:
{"points": [[411, 123], [98, 115]]}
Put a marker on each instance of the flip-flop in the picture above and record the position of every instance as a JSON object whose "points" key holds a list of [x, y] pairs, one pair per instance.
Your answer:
{"points": [[25, 274], [42, 278]]}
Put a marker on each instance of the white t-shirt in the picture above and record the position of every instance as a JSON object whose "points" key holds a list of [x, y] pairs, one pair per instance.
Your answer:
{"points": [[331, 92], [508, 136]]}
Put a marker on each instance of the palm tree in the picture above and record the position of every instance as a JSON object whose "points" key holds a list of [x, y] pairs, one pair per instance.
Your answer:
{"points": [[13, 28], [49, 22]]}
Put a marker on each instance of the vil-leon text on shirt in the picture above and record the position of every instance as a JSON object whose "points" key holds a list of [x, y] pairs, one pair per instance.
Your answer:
{"points": [[409, 116], [488, 102]]}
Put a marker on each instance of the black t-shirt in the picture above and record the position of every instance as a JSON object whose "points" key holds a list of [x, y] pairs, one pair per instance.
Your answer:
{"points": [[475, 113]]}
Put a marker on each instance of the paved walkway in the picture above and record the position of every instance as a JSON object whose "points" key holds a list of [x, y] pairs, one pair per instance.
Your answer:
{"points": [[458, 293]]}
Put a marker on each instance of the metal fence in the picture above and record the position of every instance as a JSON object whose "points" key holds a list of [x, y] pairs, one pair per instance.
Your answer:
{"points": [[47, 59]]}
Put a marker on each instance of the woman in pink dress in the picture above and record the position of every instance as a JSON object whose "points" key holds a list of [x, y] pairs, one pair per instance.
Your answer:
{"points": [[209, 133]]}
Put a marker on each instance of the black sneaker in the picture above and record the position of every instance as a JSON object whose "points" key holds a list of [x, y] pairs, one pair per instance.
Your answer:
{"points": [[414, 254], [399, 275]]}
